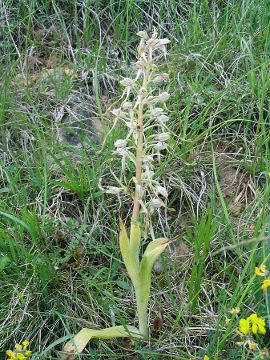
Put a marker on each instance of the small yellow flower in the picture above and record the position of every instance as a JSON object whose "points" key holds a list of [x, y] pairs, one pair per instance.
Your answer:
{"points": [[206, 357], [25, 343], [235, 310], [254, 328], [261, 270], [18, 347], [244, 326], [268, 174], [266, 284], [20, 356], [21, 352], [10, 354], [252, 324]]}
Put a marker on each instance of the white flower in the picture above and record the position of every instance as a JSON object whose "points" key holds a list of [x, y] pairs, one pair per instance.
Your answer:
{"points": [[142, 95], [164, 96], [156, 203], [113, 190], [163, 137], [127, 82], [143, 35], [121, 143], [122, 151], [147, 174], [156, 112], [162, 191], [161, 43], [157, 44], [127, 105], [162, 119], [131, 125]]}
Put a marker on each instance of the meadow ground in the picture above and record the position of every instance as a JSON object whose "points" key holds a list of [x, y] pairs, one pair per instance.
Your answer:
{"points": [[60, 265]]}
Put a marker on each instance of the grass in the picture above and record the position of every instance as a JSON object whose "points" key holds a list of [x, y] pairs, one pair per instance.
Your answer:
{"points": [[60, 263]]}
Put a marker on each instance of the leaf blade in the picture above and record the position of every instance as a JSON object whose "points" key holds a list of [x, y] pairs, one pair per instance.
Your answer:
{"points": [[80, 340]]}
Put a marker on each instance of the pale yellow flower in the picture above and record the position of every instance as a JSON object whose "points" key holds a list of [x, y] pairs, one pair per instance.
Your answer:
{"points": [[261, 270], [18, 347], [235, 310], [25, 343], [252, 346]]}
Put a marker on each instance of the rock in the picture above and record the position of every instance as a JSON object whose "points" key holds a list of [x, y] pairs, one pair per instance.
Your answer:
{"points": [[80, 126], [158, 268]]}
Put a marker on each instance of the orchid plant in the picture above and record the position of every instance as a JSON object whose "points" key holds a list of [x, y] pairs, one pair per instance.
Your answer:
{"points": [[143, 112]]}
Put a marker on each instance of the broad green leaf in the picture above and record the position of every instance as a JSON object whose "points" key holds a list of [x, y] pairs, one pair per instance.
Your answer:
{"points": [[152, 252], [124, 241], [156, 247], [79, 342], [130, 262], [135, 239]]}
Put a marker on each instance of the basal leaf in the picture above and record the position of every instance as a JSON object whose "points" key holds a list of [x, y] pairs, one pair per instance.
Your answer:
{"points": [[79, 342], [130, 261]]}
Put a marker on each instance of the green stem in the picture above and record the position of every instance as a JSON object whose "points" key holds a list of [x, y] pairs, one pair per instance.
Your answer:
{"points": [[142, 309], [139, 155], [141, 299]]}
